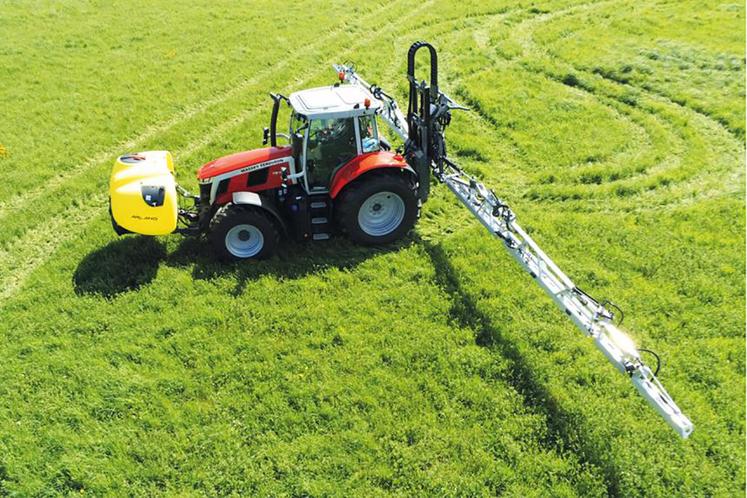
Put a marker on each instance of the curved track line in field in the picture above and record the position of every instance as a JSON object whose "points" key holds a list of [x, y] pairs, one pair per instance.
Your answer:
{"points": [[647, 192], [523, 35], [529, 45], [153, 131], [698, 185], [677, 147], [732, 182], [640, 137], [714, 132], [35, 247]]}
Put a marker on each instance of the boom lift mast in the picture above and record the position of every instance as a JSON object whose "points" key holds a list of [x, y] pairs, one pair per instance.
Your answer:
{"points": [[422, 130]]}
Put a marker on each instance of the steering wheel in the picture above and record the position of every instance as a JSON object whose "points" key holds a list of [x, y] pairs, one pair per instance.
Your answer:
{"points": [[324, 135]]}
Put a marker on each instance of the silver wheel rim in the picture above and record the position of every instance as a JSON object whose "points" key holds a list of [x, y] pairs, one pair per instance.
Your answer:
{"points": [[381, 214], [244, 241]]}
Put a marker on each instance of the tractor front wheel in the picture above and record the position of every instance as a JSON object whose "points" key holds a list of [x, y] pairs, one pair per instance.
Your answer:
{"points": [[238, 232], [378, 209]]}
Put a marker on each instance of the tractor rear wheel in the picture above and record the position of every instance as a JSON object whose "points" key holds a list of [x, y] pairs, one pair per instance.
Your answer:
{"points": [[238, 232], [378, 209]]}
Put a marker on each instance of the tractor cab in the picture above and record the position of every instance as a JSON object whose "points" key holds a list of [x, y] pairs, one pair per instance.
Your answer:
{"points": [[329, 126]]}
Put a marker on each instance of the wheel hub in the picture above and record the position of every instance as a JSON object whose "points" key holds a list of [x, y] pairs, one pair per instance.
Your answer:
{"points": [[244, 241], [381, 214]]}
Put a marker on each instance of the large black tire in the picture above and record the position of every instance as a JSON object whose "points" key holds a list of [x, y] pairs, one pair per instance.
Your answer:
{"points": [[395, 191], [242, 232]]}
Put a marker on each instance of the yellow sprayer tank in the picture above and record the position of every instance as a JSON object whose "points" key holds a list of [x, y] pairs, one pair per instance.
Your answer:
{"points": [[142, 193]]}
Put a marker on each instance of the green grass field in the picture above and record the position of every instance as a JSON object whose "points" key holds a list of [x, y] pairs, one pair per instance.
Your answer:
{"points": [[136, 366]]}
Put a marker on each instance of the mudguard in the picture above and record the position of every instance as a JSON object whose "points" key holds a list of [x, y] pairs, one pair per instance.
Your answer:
{"points": [[363, 164], [254, 199]]}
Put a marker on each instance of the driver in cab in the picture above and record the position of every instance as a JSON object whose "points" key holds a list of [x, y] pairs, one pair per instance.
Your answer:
{"points": [[331, 143]]}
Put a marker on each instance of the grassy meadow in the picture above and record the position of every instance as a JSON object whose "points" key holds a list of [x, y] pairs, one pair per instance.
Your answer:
{"points": [[140, 366]]}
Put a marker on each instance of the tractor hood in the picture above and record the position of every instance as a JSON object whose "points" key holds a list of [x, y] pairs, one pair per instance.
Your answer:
{"points": [[257, 159]]}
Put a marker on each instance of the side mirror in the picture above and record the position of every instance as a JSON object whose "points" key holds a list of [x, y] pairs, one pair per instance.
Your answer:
{"points": [[265, 135]]}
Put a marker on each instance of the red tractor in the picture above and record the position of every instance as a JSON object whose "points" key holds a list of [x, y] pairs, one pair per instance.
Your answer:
{"points": [[337, 174]]}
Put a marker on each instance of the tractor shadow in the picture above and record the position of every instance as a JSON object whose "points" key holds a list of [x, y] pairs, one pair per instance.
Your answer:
{"points": [[131, 262], [123, 265], [293, 260], [565, 430]]}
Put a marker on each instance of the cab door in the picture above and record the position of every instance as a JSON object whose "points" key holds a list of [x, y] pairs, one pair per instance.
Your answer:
{"points": [[330, 144]]}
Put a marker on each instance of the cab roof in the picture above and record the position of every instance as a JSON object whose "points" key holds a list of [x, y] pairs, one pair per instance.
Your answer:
{"points": [[331, 102]]}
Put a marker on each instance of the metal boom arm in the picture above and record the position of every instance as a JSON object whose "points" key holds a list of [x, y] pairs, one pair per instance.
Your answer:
{"points": [[589, 315], [429, 112]]}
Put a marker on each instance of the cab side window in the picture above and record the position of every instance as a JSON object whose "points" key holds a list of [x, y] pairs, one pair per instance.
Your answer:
{"points": [[332, 143], [369, 135]]}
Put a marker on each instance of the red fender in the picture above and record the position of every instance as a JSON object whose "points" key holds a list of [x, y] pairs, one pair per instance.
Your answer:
{"points": [[363, 164]]}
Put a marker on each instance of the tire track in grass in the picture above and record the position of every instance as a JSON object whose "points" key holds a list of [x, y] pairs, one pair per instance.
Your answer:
{"points": [[593, 197], [522, 33], [191, 111], [713, 131], [733, 181], [646, 197], [639, 132], [527, 42], [31, 250], [690, 189]]}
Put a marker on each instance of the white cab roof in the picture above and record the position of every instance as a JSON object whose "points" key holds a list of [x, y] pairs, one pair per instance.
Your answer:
{"points": [[330, 102]]}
